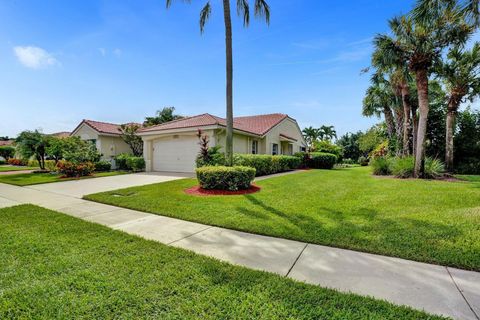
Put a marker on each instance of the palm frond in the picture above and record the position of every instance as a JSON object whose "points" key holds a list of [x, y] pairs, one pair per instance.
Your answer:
{"points": [[169, 2], [204, 15], [262, 9], [243, 9]]}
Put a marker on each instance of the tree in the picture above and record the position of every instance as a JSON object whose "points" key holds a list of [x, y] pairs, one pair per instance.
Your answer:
{"points": [[261, 10], [372, 138], [467, 142], [310, 135], [351, 146], [460, 74], [162, 116], [129, 135], [327, 133], [7, 152], [420, 39], [33, 144]]}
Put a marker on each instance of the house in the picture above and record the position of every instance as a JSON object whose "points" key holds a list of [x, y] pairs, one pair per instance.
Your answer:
{"points": [[105, 136], [173, 146], [62, 134]]}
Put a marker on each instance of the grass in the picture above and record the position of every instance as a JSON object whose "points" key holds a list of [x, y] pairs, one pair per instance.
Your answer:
{"points": [[16, 168], [429, 221], [471, 178], [27, 179], [58, 267]]}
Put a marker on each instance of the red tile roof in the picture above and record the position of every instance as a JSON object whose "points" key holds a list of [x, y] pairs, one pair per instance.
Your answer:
{"points": [[62, 134], [104, 127], [258, 125], [6, 142]]}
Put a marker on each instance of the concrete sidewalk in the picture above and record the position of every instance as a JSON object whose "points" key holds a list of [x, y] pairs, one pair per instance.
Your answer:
{"points": [[435, 289]]}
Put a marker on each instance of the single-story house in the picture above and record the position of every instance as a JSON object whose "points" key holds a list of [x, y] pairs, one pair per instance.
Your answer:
{"points": [[173, 146], [105, 136]]}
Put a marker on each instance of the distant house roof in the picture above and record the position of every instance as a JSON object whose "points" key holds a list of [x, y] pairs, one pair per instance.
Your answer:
{"points": [[104, 127], [258, 125], [62, 134]]}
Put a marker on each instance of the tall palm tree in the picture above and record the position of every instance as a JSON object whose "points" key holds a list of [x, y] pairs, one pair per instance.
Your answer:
{"points": [[420, 40], [461, 76], [261, 10], [310, 134], [327, 133], [380, 99]]}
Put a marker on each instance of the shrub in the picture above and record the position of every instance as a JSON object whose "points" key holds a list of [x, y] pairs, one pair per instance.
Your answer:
{"points": [[2, 161], [136, 163], [403, 167], [225, 178], [328, 147], [381, 166], [50, 165], [71, 169], [121, 161], [304, 158], [81, 153], [321, 160], [468, 166], [434, 168], [212, 157], [348, 161], [363, 161], [7, 152], [103, 166], [17, 162], [267, 164], [381, 150]]}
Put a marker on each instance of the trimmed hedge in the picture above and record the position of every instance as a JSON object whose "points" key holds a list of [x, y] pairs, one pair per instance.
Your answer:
{"points": [[50, 165], [136, 164], [267, 164], [103, 166], [322, 160], [17, 162], [71, 169], [225, 178]]}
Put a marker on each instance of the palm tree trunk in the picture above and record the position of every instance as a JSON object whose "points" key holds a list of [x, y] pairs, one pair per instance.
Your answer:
{"points": [[229, 60], [422, 88], [389, 120], [450, 125], [415, 129], [399, 119], [407, 127]]}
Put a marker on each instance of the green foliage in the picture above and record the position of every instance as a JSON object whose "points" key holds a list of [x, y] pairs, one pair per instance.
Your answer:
{"points": [[134, 141], [382, 150], [17, 162], [402, 167], [121, 161], [225, 178], [381, 166], [304, 158], [467, 142], [267, 164], [103, 166], [372, 138], [75, 169], [208, 156], [434, 168], [363, 161], [2, 162], [136, 164], [81, 152], [322, 160], [162, 116], [32, 144], [50, 165], [351, 146], [325, 146], [7, 152]]}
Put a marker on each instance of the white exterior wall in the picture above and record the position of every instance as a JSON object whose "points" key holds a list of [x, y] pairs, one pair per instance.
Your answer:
{"points": [[287, 127]]}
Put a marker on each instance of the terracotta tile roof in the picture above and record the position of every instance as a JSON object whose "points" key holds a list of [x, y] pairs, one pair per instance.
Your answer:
{"points": [[6, 142], [258, 125], [104, 127], [62, 134]]}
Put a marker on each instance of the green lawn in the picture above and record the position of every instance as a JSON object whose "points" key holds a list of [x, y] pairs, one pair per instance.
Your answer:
{"points": [[58, 267], [471, 178], [16, 168], [429, 221], [26, 179]]}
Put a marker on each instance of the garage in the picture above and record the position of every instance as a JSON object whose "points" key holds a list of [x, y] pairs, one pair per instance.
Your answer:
{"points": [[175, 153]]}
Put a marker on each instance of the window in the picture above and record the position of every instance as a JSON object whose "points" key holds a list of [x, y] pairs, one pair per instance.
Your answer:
{"points": [[290, 149], [302, 149], [274, 148], [254, 147]]}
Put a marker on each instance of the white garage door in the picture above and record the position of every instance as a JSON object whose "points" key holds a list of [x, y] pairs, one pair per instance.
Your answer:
{"points": [[175, 154]]}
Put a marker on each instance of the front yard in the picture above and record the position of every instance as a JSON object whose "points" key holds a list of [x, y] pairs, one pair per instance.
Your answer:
{"points": [[56, 266], [429, 221], [26, 179], [8, 168]]}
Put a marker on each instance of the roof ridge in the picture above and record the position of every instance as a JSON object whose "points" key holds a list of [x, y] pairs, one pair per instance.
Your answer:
{"points": [[176, 120], [88, 120]]}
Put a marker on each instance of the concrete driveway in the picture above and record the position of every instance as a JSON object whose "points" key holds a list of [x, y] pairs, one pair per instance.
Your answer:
{"points": [[79, 188]]}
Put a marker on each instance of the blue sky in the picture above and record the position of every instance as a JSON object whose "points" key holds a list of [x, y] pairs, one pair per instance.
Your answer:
{"points": [[119, 61]]}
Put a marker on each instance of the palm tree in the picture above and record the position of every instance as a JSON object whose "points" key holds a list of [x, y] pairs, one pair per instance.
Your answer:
{"points": [[380, 99], [419, 40], [261, 10], [461, 76], [310, 135], [327, 133]]}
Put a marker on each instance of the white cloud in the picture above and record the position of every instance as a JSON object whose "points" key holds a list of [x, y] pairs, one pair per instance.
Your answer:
{"points": [[34, 57]]}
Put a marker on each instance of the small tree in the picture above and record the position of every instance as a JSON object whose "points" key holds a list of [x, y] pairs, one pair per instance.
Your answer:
{"points": [[33, 144], [162, 116], [129, 135], [7, 152]]}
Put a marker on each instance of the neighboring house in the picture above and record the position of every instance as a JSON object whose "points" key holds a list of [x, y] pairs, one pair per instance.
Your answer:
{"points": [[173, 146], [5, 143], [62, 134], [106, 137]]}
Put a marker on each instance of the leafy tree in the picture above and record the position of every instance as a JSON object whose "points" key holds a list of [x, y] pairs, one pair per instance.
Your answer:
{"points": [[83, 152], [461, 76], [327, 133], [129, 135], [33, 144], [351, 146], [328, 147], [467, 142], [57, 147], [162, 116], [7, 152], [310, 135], [419, 39], [372, 138], [261, 9]]}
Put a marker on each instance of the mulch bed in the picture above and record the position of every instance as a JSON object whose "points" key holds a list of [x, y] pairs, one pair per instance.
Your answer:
{"points": [[197, 191]]}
